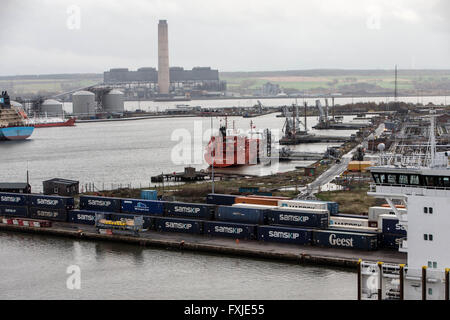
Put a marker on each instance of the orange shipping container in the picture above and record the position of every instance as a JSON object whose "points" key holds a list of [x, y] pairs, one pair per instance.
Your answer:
{"points": [[264, 202], [269, 197]]}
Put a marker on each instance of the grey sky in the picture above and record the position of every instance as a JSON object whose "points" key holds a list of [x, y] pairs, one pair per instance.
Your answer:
{"points": [[232, 35]]}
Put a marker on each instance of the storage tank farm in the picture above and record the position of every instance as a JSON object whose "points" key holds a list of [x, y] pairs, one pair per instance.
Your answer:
{"points": [[113, 102], [83, 103], [51, 108]]}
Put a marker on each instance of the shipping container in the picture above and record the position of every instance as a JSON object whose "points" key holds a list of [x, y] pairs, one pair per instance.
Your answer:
{"points": [[51, 202], [254, 206], [341, 239], [103, 204], [391, 225], [268, 197], [190, 210], [351, 222], [375, 212], [284, 234], [241, 215], [220, 199], [81, 217], [299, 219], [149, 194], [257, 201], [333, 207], [352, 216], [303, 204], [148, 207], [179, 225], [13, 199], [49, 214], [391, 241], [230, 230], [11, 211]]}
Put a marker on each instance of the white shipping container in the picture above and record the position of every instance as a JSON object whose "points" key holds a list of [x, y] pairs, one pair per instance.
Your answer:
{"points": [[302, 204], [253, 206], [375, 212], [348, 222]]}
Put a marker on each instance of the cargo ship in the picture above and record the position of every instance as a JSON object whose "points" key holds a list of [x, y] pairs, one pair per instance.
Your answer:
{"points": [[12, 124], [233, 148], [51, 122]]}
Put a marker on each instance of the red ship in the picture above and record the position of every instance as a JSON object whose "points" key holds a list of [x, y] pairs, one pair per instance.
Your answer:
{"points": [[56, 123], [231, 148]]}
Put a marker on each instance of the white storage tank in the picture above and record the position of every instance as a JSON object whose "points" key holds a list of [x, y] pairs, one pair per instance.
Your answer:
{"points": [[52, 108], [113, 101], [83, 103]]}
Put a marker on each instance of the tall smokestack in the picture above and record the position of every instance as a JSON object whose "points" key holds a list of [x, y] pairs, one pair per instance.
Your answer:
{"points": [[163, 57]]}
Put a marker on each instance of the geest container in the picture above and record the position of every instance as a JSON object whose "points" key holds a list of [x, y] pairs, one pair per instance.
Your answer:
{"points": [[220, 199], [230, 230], [341, 239], [190, 210], [48, 214], [13, 199], [81, 217], [284, 234], [99, 204], [179, 225], [14, 211], [299, 219], [391, 225], [142, 206], [51, 202], [241, 215]]}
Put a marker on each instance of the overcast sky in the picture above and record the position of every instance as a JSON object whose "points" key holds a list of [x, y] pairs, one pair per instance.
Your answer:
{"points": [[48, 36]]}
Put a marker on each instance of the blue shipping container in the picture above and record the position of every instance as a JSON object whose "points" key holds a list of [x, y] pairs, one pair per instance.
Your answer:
{"points": [[283, 234], [301, 219], [231, 230], [13, 199], [14, 211], [179, 225], [391, 241], [142, 206], [191, 210], [221, 199], [81, 217], [393, 226], [48, 214], [350, 240], [237, 214], [149, 194], [51, 202], [99, 204]]}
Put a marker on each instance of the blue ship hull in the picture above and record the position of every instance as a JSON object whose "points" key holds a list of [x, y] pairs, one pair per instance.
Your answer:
{"points": [[16, 133]]}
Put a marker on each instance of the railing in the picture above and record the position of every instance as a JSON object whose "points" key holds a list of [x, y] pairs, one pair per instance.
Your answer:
{"points": [[373, 186]]}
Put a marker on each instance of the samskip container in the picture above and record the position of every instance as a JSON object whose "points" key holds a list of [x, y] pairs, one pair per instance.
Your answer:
{"points": [[51, 202], [300, 219], [190, 210], [179, 225], [220, 199], [81, 217], [242, 215], [149, 207], [14, 211], [340, 239], [391, 225], [284, 234], [13, 199], [230, 230], [99, 204], [48, 214], [391, 241]]}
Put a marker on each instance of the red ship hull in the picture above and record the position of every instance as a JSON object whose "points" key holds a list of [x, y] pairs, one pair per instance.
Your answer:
{"points": [[232, 151], [68, 123]]}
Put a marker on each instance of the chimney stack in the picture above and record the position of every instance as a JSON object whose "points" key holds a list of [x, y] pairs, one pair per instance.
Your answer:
{"points": [[163, 57]]}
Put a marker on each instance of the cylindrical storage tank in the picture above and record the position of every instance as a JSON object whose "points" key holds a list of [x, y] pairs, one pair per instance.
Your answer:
{"points": [[83, 103], [52, 107], [113, 101]]}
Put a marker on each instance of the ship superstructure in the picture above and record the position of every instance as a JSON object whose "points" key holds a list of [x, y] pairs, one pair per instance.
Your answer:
{"points": [[420, 182], [12, 124]]}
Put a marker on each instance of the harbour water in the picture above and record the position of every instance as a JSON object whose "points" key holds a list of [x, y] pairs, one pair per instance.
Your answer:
{"points": [[35, 267], [130, 152]]}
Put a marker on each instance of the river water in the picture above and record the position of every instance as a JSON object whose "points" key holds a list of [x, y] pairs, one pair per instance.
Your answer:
{"points": [[130, 152], [35, 267]]}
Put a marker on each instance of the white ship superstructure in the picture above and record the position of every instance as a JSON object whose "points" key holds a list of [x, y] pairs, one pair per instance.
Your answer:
{"points": [[421, 182]]}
